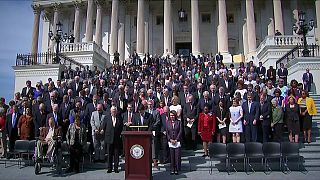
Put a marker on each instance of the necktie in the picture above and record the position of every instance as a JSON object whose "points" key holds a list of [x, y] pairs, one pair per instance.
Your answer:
{"points": [[191, 107], [14, 120], [129, 118], [141, 120], [114, 121]]}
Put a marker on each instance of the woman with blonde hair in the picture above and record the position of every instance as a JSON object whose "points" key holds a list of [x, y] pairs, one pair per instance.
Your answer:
{"points": [[176, 107], [307, 110]]}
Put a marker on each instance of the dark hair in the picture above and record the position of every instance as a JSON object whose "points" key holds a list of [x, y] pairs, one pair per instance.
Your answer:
{"points": [[174, 112], [277, 91]]}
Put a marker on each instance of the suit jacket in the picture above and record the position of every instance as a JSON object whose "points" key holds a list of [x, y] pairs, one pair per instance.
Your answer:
{"points": [[70, 137], [156, 120], [163, 99], [282, 73], [265, 111], [12, 130], [273, 73], [65, 109], [254, 98], [124, 105], [163, 122], [96, 122], [58, 122], [306, 79], [125, 119], [112, 133], [201, 104], [147, 121], [45, 130], [188, 113], [175, 132], [253, 114], [230, 88], [39, 120], [261, 72], [24, 92], [217, 98]]}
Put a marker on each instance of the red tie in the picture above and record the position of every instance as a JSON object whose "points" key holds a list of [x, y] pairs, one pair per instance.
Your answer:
{"points": [[129, 119]]}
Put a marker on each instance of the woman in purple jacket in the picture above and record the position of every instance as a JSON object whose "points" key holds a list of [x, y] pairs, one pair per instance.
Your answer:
{"points": [[174, 132]]}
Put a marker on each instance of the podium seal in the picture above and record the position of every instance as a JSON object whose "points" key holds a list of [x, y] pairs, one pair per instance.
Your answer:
{"points": [[136, 151]]}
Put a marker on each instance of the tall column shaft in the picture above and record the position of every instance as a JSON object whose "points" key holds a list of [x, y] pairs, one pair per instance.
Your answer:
{"points": [[146, 37], [245, 38], [89, 21], [195, 27], [98, 34], [251, 28], [76, 22], [222, 28], [56, 8], [277, 12], [35, 33], [121, 42], [167, 27], [140, 28], [318, 19], [114, 27]]}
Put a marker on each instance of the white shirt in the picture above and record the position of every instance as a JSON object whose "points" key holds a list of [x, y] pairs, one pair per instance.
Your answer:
{"points": [[114, 121]]}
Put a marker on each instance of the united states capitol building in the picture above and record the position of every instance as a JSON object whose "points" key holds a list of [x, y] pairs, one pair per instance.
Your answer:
{"points": [[91, 31]]}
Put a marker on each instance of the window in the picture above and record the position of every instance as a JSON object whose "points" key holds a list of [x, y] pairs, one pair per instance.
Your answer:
{"points": [[185, 19], [230, 18], [135, 21], [159, 20], [206, 18]]}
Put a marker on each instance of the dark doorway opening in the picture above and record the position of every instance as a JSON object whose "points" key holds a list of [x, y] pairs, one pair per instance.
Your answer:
{"points": [[183, 48]]}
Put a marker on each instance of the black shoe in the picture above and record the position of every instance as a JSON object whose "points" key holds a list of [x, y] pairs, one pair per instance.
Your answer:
{"points": [[172, 173], [176, 173], [116, 171], [204, 155], [109, 171]]}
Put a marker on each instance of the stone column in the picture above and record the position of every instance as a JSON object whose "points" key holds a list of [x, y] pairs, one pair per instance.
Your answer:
{"points": [[89, 22], [45, 30], [167, 28], [222, 28], [114, 28], [121, 42], [245, 37], [146, 37], [251, 28], [77, 20], [98, 34], [140, 28], [56, 8], [222, 32], [271, 28], [35, 34], [318, 19], [195, 27], [277, 12]]}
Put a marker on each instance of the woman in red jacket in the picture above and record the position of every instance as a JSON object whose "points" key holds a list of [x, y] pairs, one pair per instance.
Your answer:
{"points": [[206, 127]]}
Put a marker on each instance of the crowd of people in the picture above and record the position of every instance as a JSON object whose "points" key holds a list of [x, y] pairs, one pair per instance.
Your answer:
{"points": [[182, 100]]}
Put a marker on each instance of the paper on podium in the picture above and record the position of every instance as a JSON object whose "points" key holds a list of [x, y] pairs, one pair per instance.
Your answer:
{"points": [[177, 145]]}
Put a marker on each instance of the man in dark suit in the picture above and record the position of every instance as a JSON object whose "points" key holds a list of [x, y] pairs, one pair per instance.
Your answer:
{"points": [[77, 85], [56, 116], [143, 118], [265, 115], [190, 117], [166, 98], [183, 96], [307, 79], [64, 111], [255, 96], [205, 100], [250, 118], [271, 74], [163, 136], [12, 127], [127, 117], [283, 73], [39, 119], [121, 103], [112, 127], [227, 84], [261, 71], [220, 96], [26, 91]]}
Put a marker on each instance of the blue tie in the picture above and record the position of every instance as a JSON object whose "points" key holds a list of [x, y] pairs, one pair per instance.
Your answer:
{"points": [[14, 120]]}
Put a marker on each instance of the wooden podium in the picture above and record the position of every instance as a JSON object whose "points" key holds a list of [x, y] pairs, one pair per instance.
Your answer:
{"points": [[138, 154]]}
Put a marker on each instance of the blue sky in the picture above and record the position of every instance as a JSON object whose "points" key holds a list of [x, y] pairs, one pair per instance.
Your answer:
{"points": [[16, 23]]}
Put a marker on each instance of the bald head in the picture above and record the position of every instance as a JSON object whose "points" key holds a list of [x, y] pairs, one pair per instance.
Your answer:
{"points": [[99, 107]]}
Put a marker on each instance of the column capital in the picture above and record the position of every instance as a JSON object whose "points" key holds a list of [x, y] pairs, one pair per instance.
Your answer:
{"points": [[56, 6], [99, 3], [36, 8], [78, 4], [46, 15]]}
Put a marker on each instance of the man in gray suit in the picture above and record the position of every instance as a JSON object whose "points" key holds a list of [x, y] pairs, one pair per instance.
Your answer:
{"points": [[97, 119]]}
